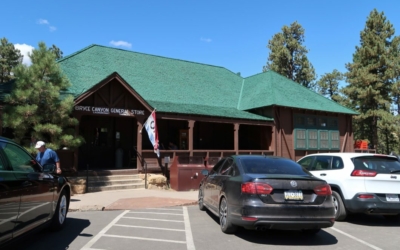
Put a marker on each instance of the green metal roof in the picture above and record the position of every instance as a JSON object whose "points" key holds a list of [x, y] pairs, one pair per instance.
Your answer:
{"points": [[178, 86], [271, 88]]}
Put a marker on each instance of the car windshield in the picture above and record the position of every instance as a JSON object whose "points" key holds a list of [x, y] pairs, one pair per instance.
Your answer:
{"points": [[382, 165], [272, 166]]}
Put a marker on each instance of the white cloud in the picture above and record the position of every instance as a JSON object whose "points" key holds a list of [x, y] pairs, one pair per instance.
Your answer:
{"points": [[25, 51], [45, 22], [207, 40], [121, 44]]}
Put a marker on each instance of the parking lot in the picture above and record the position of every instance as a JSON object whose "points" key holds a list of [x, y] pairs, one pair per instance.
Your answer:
{"points": [[189, 228]]}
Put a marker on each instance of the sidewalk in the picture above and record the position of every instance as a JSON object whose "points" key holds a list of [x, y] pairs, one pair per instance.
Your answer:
{"points": [[131, 199]]}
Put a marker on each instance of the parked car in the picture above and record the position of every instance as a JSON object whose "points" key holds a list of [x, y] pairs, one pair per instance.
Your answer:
{"points": [[360, 182], [265, 192], [30, 198]]}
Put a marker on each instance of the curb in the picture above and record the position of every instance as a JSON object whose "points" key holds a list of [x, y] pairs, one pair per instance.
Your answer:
{"points": [[97, 208]]}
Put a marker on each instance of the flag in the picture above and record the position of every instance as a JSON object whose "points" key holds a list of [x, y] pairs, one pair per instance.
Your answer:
{"points": [[151, 128]]}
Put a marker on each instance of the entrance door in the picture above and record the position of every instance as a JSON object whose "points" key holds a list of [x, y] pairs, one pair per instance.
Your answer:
{"points": [[109, 142]]}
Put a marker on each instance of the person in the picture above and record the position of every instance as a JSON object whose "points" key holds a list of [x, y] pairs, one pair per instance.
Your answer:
{"points": [[47, 156], [172, 146]]}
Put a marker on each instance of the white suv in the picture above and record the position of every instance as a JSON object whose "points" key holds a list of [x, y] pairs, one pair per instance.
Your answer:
{"points": [[360, 182]]}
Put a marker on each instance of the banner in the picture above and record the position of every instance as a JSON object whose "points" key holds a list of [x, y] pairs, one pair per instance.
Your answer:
{"points": [[151, 128]]}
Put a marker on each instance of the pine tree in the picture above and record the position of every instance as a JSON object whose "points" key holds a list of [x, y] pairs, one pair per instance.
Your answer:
{"points": [[328, 85], [370, 77], [10, 57], [35, 108], [288, 56]]}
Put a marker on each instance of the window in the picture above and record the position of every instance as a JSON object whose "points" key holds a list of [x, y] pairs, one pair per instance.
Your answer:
{"points": [[217, 167], [313, 139], [322, 162], [337, 162], [306, 162], [20, 160], [226, 168], [316, 132], [301, 138]]}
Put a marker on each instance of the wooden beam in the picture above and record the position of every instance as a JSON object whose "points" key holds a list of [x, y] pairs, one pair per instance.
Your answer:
{"points": [[283, 135]]}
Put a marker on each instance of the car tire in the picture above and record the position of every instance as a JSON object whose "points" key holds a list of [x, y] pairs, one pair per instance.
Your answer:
{"points": [[201, 199], [60, 214], [224, 218], [395, 218], [340, 210]]}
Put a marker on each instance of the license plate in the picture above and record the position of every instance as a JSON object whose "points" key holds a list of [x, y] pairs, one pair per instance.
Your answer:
{"points": [[392, 197], [294, 195]]}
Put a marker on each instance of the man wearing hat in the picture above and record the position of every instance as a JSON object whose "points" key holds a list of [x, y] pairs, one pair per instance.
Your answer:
{"points": [[47, 156]]}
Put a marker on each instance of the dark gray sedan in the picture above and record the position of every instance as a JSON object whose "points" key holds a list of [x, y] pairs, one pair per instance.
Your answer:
{"points": [[266, 192]]}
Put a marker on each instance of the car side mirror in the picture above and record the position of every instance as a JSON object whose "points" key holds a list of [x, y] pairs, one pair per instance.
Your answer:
{"points": [[204, 172]]}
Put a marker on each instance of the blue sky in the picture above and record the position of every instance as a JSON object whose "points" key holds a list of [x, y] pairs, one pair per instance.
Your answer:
{"points": [[232, 34]]}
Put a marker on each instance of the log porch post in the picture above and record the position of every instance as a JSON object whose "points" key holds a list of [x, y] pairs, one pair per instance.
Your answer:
{"points": [[236, 137], [191, 125]]}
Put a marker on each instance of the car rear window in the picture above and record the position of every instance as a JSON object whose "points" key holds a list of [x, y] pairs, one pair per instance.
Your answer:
{"points": [[382, 165], [272, 166]]}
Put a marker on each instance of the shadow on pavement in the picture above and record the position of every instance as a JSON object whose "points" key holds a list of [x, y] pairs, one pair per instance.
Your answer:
{"points": [[371, 220], [59, 240], [282, 237]]}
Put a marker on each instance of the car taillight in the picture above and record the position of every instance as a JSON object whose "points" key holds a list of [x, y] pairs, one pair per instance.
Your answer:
{"points": [[323, 190], [364, 173], [256, 188]]}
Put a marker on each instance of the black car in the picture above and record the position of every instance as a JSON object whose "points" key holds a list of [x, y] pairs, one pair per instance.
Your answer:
{"points": [[30, 197], [266, 192]]}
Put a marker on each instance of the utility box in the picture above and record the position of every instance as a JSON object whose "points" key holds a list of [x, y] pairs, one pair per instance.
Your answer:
{"points": [[185, 172]]}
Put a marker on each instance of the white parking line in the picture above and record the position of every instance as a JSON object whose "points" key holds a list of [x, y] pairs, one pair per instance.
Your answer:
{"points": [[172, 209], [154, 213], [139, 218], [156, 228], [140, 238], [188, 230], [357, 239], [102, 232]]}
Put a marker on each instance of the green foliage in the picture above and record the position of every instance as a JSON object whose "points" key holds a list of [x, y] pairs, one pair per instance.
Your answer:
{"points": [[10, 57], [288, 56], [35, 109], [57, 52], [328, 85], [371, 76]]}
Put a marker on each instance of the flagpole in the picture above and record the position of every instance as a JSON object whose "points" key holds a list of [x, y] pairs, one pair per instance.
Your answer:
{"points": [[146, 120]]}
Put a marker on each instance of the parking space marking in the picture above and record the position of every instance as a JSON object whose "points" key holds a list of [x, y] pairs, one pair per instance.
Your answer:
{"points": [[102, 232], [356, 239], [188, 230], [171, 209], [154, 213], [156, 228], [139, 218], [141, 238]]}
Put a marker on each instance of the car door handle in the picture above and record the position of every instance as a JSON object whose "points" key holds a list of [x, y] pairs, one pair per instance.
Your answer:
{"points": [[322, 174], [26, 183]]}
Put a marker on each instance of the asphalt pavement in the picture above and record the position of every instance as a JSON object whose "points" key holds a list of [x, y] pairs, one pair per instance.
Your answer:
{"points": [[131, 199]]}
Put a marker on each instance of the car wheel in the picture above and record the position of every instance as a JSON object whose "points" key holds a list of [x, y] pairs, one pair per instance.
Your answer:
{"points": [[201, 199], [311, 231], [60, 215], [340, 210], [395, 218], [224, 220]]}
